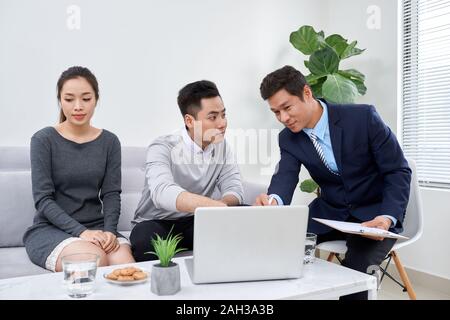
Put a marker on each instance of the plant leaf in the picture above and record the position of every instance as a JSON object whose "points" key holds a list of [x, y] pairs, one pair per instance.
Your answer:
{"points": [[324, 62], [305, 40], [352, 74], [338, 43], [165, 249], [362, 89], [312, 79], [339, 89], [321, 39], [309, 186], [317, 88], [351, 50], [306, 62]]}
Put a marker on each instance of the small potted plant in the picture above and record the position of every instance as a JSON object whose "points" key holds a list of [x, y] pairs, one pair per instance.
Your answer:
{"points": [[165, 276]]}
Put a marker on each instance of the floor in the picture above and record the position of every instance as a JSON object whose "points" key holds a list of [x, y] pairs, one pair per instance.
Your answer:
{"points": [[389, 290]]}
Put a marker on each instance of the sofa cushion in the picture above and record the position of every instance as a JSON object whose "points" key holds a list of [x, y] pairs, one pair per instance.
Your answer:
{"points": [[15, 158], [252, 190], [14, 262], [126, 234], [132, 180], [129, 202], [133, 176], [16, 206]]}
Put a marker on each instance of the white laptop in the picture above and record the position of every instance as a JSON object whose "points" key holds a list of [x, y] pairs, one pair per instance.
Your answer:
{"points": [[248, 243]]}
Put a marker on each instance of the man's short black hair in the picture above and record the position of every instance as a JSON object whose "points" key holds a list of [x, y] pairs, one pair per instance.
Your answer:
{"points": [[190, 96], [288, 78]]}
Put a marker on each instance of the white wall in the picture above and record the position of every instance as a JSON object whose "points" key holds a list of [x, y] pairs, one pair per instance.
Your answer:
{"points": [[353, 20], [143, 52], [430, 254]]}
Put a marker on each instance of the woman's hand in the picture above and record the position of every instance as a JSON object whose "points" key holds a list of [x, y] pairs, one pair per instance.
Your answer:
{"points": [[97, 237], [111, 244]]}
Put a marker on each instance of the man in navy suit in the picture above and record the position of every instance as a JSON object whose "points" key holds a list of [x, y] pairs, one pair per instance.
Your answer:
{"points": [[353, 156]]}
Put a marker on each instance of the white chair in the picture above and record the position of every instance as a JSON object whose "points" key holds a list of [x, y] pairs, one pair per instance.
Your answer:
{"points": [[412, 228]]}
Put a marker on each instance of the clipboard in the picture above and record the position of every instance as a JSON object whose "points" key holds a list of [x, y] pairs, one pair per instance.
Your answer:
{"points": [[357, 228]]}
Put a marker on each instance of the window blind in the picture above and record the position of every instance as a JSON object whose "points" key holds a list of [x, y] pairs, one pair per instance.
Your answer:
{"points": [[426, 89]]}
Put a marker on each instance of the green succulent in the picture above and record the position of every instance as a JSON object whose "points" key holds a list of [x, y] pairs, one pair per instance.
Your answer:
{"points": [[166, 249]]}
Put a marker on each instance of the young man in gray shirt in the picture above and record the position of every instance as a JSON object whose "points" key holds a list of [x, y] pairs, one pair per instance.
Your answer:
{"points": [[190, 168]]}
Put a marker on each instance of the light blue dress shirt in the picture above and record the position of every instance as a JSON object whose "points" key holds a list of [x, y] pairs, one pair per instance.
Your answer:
{"points": [[322, 132]]}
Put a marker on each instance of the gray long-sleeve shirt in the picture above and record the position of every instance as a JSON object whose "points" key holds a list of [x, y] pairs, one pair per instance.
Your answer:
{"points": [[175, 164], [70, 181]]}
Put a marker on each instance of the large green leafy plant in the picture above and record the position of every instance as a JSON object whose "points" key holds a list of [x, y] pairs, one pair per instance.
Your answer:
{"points": [[326, 79], [325, 54]]}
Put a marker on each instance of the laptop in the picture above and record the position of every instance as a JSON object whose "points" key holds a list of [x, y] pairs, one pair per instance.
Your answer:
{"points": [[248, 243]]}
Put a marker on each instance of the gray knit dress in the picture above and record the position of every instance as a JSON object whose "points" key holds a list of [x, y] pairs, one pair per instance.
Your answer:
{"points": [[76, 186]]}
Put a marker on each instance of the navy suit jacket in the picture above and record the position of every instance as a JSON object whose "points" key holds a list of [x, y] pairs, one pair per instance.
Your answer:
{"points": [[374, 174]]}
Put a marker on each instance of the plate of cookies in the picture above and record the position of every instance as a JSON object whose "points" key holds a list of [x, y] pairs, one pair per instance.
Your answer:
{"points": [[126, 276]]}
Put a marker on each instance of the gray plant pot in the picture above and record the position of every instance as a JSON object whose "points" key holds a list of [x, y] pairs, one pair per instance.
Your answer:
{"points": [[165, 280]]}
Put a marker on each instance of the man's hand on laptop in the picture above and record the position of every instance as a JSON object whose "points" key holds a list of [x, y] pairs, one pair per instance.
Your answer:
{"points": [[265, 200], [379, 222]]}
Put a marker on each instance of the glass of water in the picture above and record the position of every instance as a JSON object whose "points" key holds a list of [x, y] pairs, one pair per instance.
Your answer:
{"points": [[79, 273], [310, 248]]}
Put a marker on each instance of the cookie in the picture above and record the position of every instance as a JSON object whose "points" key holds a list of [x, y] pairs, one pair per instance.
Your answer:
{"points": [[116, 272], [139, 275], [112, 276], [125, 278], [127, 271], [127, 274]]}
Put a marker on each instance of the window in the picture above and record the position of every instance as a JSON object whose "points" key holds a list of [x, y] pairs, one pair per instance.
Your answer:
{"points": [[426, 89]]}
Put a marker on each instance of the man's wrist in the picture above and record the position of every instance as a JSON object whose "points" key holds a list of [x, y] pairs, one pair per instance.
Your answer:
{"points": [[391, 219], [277, 198]]}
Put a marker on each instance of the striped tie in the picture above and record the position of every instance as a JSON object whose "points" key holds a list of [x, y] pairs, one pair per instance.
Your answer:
{"points": [[319, 150]]}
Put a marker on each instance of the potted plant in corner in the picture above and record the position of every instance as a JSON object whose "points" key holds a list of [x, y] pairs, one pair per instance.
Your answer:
{"points": [[165, 276], [326, 79]]}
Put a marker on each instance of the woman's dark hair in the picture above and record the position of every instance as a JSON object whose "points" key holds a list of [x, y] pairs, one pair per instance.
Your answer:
{"points": [[190, 96], [73, 73], [288, 78]]}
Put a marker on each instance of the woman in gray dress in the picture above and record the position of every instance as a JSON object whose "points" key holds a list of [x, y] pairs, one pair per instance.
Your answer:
{"points": [[76, 180]]}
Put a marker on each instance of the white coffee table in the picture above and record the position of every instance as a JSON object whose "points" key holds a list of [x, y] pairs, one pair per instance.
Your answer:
{"points": [[321, 280]]}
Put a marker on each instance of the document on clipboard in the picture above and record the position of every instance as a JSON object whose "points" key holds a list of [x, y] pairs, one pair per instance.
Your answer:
{"points": [[357, 228]]}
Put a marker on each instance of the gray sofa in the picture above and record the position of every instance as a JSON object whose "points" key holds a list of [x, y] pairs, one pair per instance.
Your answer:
{"points": [[17, 207]]}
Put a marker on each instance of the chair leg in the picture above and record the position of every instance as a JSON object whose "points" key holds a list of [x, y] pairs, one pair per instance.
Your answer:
{"points": [[330, 257], [404, 276]]}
